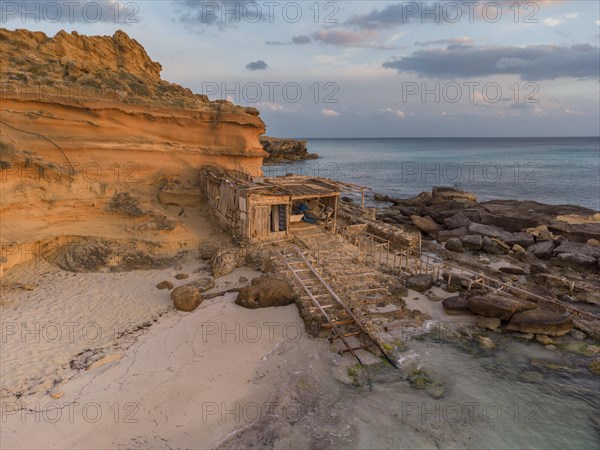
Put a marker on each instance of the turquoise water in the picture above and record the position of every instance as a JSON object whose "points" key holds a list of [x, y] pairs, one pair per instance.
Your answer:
{"points": [[548, 170]]}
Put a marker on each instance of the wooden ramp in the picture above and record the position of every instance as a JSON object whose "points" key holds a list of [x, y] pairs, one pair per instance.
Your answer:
{"points": [[345, 326]]}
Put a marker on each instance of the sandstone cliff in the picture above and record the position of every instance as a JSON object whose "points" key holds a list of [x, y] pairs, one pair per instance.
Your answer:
{"points": [[85, 119]]}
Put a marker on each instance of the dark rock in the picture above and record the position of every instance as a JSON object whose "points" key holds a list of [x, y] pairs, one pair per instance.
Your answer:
{"points": [[579, 262], [457, 221], [542, 250], [507, 221], [489, 231], [265, 292], [399, 290], [472, 242], [182, 276], [419, 283], [501, 307], [456, 306], [454, 245], [348, 199], [512, 270], [540, 321], [186, 298], [443, 194], [538, 268], [489, 246], [577, 249], [444, 235], [164, 285], [523, 239], [488, 323]]}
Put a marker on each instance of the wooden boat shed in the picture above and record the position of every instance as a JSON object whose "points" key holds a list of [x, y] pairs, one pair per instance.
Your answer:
{"points": [[263, 209]]}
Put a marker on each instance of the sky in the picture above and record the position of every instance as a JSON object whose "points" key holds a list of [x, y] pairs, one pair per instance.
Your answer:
{"points": [[366, 68]]}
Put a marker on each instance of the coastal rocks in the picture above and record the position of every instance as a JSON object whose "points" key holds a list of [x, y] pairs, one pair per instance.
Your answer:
{"points": [[279, 149], [488, 323], [490, 246], [579, 262], [540, 321], [541, 233], [472, 242], [448, 194], [593, 243], [485, 342], [203, 284], [164, 285], [425, 224], [419, 283], [456, 306], [542, 250], [489, 231], [512, 270], [577, 248], [454, 245], [503, 308], [186, 298], [182, 276], [444, 235], [265, 292], [457, 221], [522, 239]]}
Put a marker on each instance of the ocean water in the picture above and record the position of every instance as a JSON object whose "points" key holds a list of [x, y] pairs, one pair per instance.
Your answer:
{"points": [[547, 170]]}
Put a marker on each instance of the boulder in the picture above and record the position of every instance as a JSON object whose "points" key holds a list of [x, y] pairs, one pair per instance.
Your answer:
{"points": [[541, 233], [489, 246], [164, 285], [472, 242], [457, 221], [444, 235], [425, 224], [456, 306], [542, 250], [579, 262], [223, 263], [186, 298], [541, 321], [577, 249], [443, 194], [454, 245], [399, 290], [523, 239], [419, 283], [593, 243], [265, 292], [512, 270], [489, 231], [538, 268], [488, 323], [501, 307], [182, 276], [507, 220], [203, 284]]}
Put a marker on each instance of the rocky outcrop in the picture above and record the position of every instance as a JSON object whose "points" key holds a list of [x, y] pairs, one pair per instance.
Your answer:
{"points": [[500, 307], [541, 321], [419, 283], [186, 298], [456, 305], [282, 150], [265, 292]]}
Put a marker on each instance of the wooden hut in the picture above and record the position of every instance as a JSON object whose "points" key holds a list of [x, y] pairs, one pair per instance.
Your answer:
{"points": [[268, 209]]}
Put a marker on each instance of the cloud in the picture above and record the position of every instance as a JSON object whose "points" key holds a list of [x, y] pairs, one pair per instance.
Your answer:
{"points": [[296, 40], [329, 112], [350, 38], [395, 112], [597, 22], [221, 13], [535, 62], [257, 65], [458, 41], [553, 21]]}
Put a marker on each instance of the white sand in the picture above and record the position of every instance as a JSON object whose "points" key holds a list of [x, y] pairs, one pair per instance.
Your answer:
{"points": [[171, 387]]}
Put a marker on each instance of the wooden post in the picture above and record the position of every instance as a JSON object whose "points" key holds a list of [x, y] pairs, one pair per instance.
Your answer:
{"points": [[363, 198]]}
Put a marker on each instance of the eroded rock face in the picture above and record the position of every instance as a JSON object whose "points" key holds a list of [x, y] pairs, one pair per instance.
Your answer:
{"points": [[265, 292], [186, 298], [500, 307], [279, 149], [541, 321], [542, 250], [446, 194]]}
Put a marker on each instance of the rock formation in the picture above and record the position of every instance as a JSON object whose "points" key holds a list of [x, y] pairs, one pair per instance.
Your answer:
{"points": [[282, 150]]}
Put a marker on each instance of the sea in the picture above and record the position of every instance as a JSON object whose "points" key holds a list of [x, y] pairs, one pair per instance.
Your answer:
{"points": [[548, 170]]}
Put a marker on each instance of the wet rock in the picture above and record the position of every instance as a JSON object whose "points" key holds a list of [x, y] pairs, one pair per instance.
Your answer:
{"points": [[544, 339], [433, 297], [489, 231], [454, 245], [488, 323], [595, 368], [223, 263], [186, 298], [525, 337], [538, 268], [456, 306], [457, 221], [530, 376], [512, 270], [265, 292], [425, 224], [485, 342], [203, 284], [444, 235], [540, 321], [542, 250], [419, 283], [503, 308], [182, 276], [472, 242], [242, 280], [579, 262], [164, 285]]}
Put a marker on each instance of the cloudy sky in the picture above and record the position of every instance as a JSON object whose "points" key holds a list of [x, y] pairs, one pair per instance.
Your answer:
{"points": [[367, 68]]}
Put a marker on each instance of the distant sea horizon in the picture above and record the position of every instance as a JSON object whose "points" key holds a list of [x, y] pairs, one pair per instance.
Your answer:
{"points": [[552, 170]]}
